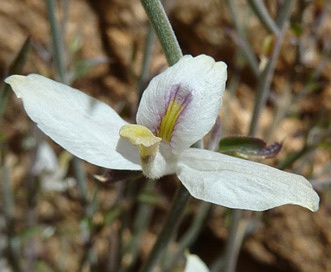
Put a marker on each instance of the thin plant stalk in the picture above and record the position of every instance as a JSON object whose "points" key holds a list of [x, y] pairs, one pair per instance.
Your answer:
{"points": [[58, 44], [173, 218], [292, 158], [88, 257], [261, 12], [150, 39], [173, 53], [240, 39], [90, 207], [163, 29], [116, 231], [203, 211], [57, 30], [284, 13], [9, 207], [16, 67], [130, 193], [229, 262], [141, 222], [59, 57], [32, 187], [232, 87], [81, 179], [236, 233], [263, 86], [65, 17], [143, 216], [190, 236]]}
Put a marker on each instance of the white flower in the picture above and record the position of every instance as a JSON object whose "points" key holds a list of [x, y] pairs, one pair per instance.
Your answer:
{"points": [[177, 109]]}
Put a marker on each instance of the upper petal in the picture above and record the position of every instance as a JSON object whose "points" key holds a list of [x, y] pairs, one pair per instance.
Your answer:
{"points": [[181, 104], [242, 184], [84, 126]]}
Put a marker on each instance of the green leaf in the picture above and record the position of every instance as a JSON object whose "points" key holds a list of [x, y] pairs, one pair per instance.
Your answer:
{"points": [[248, 147]]}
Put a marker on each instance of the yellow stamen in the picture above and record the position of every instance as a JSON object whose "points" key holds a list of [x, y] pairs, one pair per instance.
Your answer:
{"points": [[144, 138]]}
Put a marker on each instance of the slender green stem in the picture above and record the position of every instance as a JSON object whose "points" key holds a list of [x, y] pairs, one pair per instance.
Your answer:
{"points": [[163, 29], [12, 249], [284, 13], [57, 33], [59, 52], [241, 39], [65, 17], [234, 243], [261, 12], [146, 61], [190, 236], [81, 179], [173, 53], [32, 186], [7, 191], [116, 231], [15, 67], [142, 220], [292, 158], [176, 211], [232, 249], [263, 87]]}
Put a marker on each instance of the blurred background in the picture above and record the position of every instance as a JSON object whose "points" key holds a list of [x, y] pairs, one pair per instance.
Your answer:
{"points": [[56, 216]]}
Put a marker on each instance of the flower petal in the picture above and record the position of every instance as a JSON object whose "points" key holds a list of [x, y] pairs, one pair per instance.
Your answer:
{"points": [[84, 126], [195, 264], [181, 104], [241, 184]]}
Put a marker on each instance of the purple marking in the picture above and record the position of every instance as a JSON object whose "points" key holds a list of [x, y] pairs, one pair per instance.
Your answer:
{"points": [[182, 96]]}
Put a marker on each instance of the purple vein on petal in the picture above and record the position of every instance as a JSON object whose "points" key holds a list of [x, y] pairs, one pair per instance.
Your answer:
{"points": [[176, 103]]}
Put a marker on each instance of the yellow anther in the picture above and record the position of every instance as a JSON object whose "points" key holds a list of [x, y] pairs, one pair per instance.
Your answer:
{"points": [[144, 138]]}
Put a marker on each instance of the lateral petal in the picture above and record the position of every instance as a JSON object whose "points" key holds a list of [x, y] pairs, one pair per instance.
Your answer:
{"points": [[84, 126], [181, 104], [242, 184]]}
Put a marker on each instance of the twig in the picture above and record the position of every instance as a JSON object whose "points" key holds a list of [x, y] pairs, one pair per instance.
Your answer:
{"points": [[12, 250], [58, 44], [191, 235], [264, 16], [163, 29], [16, 67], [141, 222], [241, 40], [173, 218], [146, 61], [263, 86], [170, 46]]}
